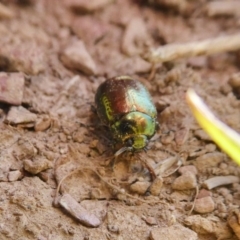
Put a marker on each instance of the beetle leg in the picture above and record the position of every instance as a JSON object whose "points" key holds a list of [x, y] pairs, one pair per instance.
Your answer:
{"points": [[122, 150]]}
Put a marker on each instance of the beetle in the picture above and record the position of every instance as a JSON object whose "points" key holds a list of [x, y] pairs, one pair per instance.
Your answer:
{"points": [[125, 106]]}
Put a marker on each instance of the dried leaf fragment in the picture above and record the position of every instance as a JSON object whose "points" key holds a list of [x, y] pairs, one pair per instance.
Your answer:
{"points": [[219, 181], [87, 6], [175, 51], [78, 212], [223, 8]]}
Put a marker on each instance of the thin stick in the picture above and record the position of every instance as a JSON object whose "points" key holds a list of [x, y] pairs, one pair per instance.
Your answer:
{"points": [[105, 181], [194, 202], [182, 50]]}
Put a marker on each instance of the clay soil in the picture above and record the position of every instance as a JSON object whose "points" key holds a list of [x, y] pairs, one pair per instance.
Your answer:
{"points": [[64, 134]]}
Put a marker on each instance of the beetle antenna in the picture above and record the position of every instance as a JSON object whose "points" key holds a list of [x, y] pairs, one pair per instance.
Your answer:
{"points": [[122, 150]]}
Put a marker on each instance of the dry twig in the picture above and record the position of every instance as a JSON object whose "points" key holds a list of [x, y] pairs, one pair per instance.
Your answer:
{"points": [[223, 8], [182, 50]]}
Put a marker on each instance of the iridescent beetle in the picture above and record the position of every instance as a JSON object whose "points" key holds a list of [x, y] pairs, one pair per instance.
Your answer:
{"points": [[124, 105]]}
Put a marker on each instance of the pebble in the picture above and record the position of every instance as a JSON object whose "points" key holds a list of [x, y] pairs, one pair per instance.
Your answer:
{"points": [[75, 56], [202, 225], [136, 31], [12, 92], [189, 168], [30, 58], [223, 191], [173, 232], [150, 220], [140, 187], [198, 62], [14, 176], [89, 29], [234, 82], [233, 222], [113, 228], [210, 147], [181, 136], [42, 124], [20, 115], [204, 193], [36, 166], [204, 205], [199, 224], [202, 135], [167, 138], [156, 186], [185, 182], [3, 176], [209, 160]]}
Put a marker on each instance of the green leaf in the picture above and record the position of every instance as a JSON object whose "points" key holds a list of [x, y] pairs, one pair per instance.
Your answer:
{"points": [[225, 137]]}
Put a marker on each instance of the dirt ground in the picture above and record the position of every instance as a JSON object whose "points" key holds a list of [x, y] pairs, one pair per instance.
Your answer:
{"points": [[53, 56]]}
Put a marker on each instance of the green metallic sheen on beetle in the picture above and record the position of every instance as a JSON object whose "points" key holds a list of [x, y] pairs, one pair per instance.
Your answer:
{"points": [[125, 106]]}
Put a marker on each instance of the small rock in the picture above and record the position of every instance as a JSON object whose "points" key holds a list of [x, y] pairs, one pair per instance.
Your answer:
{"points": [[86, 6], [16, 166], [210, 147], [233, 222], [20, 115], [167, 138], [204, 193], [37, 166], [139, 65], [42, 124], [234, 82], [23, 57], [174, 232], [89, 29], [185, 182], [224, 191], [199, 224], [150, 221], [181, 136], [204, 205], [198, 62], [189, 168], [180, 196], [202, 135], [140, 187], [136, 32], [12, 88], [14, 176], [79, 135], [156, 186], [76, 56], [209, 160], [113, 228], [3, 176]]}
